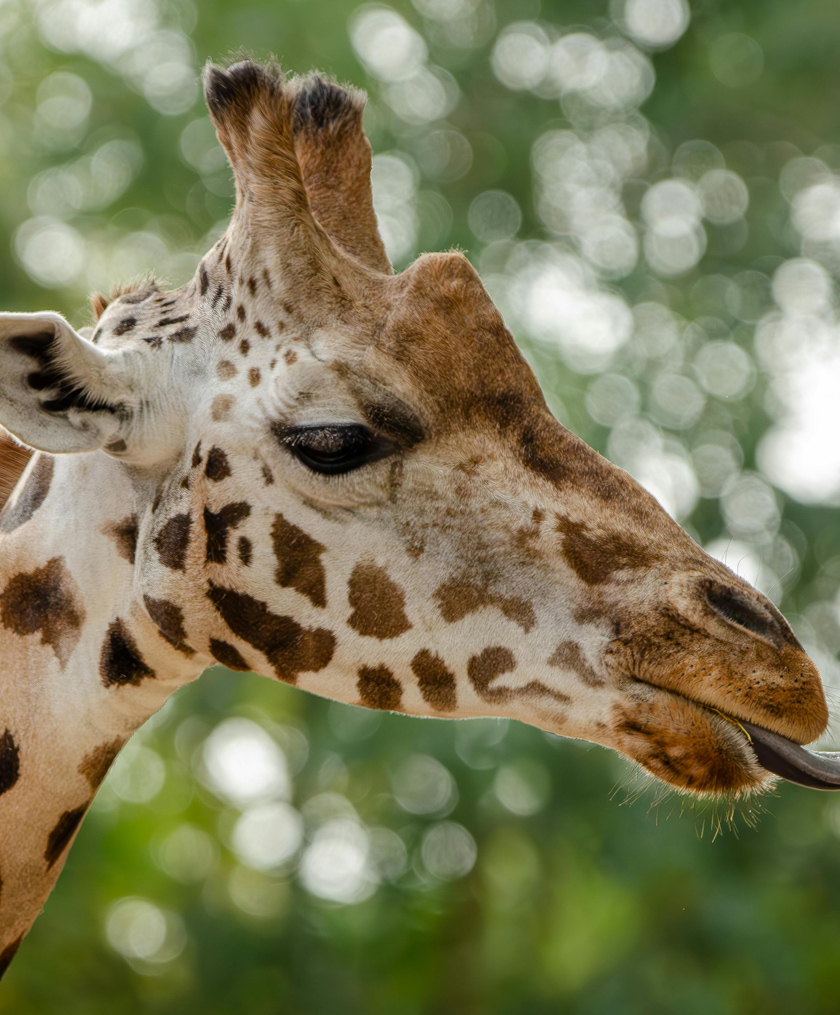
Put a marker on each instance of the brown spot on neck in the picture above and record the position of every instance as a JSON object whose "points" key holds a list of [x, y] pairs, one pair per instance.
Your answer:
{"points": [[378, 603], [485, 667], [289, 647], [221, 407], [218, 467], [43, 601], [95, 764], [298, 561], [124, 534], [120, 662], [228, 655], [169, 619], [436, 682], [8, 954], [9, 761], [172, 541], [379, 688], [60, 837]]}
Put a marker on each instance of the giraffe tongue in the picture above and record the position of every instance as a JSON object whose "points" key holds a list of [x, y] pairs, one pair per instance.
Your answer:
{"points": [[783, 757]]}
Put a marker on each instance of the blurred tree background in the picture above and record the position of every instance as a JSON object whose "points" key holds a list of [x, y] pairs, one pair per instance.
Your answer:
{"points": [[652, 195]]}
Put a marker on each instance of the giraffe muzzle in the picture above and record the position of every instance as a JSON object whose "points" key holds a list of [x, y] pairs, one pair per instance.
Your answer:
{"points": [[793, 762]]}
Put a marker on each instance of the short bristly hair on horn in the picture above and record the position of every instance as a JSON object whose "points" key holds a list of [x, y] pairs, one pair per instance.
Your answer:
{"points": [[335, 159], [253, 111]]}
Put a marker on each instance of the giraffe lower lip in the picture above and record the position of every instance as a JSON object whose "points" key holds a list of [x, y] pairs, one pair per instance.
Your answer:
{"points": [[791, 761]]}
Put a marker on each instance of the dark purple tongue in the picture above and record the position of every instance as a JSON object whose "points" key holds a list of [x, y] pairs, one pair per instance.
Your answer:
{"points": [[791, 761]]}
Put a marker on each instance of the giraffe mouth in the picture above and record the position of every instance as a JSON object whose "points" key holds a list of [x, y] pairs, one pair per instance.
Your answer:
{"points": [[789, 760]]}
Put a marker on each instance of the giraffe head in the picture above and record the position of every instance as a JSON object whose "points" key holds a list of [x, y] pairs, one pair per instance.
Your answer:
{"points": [[349, 480]]}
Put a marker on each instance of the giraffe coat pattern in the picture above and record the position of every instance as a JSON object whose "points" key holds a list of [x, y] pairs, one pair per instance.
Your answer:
{"points": [[302, 464]]}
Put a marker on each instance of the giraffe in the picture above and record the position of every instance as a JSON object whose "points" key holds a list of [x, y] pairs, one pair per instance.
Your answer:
{"points": [[304, 465]]}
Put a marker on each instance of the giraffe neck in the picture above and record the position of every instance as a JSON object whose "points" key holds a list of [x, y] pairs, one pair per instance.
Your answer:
{"points": [[78, 653]]}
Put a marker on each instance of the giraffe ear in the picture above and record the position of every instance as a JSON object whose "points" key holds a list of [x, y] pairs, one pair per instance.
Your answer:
{"points": [[58, 391]]}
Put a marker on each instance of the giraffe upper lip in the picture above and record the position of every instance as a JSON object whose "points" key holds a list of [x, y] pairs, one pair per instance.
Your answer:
{"points": [[792, 761]]}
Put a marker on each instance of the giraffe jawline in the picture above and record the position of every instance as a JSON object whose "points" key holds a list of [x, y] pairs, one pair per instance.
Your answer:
{"points": [[789, 760]]}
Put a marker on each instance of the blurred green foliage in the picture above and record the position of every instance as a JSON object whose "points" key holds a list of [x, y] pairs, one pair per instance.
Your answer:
{"points": [[654, 203]]}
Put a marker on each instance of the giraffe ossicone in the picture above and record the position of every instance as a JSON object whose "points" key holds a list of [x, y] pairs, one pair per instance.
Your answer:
{"points": [[304, 465]]}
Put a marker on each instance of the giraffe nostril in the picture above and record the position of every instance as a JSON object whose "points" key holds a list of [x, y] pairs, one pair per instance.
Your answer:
{"points": [[737, 609]]}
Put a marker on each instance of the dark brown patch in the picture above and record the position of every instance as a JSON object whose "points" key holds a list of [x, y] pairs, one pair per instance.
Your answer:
{"points": [[126, 324], [9, 761], [261, 329], [458, 597], [217, 526], [221, 407], [298, 561], [172, 541], [244, 346], [246, 550], [186, 334], [436, 682], [290, 648], [168, 617], [267, 476], [290, 356], [225, 370], [254, 376], [484, 668], [594, 556], [120, 662], [379, 688], [217, 465], [116, 447], [31, 496], [378, 603], [165, 322], [155, 341], [228, 655], [196, 458], [60, 836], [95, 764], [43, 601], [568, 656], [252, 285], [228, 332], [203, 280], [8, 954], [240, 312], [124, 534]]}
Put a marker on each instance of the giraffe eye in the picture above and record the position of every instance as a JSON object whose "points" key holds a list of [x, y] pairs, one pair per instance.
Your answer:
{"points": [[333, 450]]}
